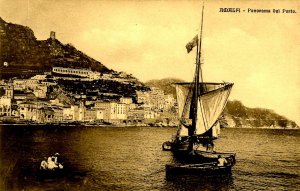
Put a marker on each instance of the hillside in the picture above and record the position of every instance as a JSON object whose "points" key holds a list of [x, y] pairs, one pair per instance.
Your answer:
{"points": [[167, 85], [235, 113], [23, 56], [22, 52]]}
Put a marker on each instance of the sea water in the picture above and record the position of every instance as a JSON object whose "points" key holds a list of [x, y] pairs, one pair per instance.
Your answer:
{"points": [[131, 158]]}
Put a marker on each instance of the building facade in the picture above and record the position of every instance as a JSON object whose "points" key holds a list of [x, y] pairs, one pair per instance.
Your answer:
{"points": [[77, 72]]}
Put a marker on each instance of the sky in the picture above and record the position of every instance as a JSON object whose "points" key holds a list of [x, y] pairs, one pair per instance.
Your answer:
{"points": [[258, 52]]}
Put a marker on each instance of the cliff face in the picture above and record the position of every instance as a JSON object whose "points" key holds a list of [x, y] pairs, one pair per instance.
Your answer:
{"points": [[21, 51], [239, 115], [235, 113]]}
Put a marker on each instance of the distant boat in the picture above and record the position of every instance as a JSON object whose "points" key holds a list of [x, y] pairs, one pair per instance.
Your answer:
{"points": [[200, 104], [51, 168]]}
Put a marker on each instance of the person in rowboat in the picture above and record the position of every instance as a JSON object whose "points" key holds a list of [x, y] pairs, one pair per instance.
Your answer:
{"points": [[56, 160], [51, 164], [221, 161], [44, 164]]}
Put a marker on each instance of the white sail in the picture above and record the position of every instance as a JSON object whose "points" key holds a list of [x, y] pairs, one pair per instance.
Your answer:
{"points": [[211, 103], [182, 92], [216, 130], [184, 102]]}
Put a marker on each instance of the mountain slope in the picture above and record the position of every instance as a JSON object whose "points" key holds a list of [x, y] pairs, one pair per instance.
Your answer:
{"points": [[23, 56], [22, 52], [166, 84], [235, 113]]}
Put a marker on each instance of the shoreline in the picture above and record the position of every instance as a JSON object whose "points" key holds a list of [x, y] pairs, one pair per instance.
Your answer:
{"points": [[287, 128], [129, 125], [82, 125]]}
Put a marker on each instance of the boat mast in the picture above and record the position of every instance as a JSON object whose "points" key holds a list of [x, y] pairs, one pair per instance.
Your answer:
{"points": [[198, 78], [200, 46]]}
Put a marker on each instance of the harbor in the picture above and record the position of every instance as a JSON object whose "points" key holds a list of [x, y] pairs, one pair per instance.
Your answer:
{"points": [[130, 158], [149, 95]]}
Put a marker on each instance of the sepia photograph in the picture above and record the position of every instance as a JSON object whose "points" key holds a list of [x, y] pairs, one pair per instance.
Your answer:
{"points": [[149, 95]]}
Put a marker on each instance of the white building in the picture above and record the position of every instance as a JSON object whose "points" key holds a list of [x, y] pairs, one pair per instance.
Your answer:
{"points": [[100, 114], [105, 108], [126, 100], [111, 110], [35, 111], [38, 77], [77, 72], [75, 112], [142, 97], [5, 106], [117, 110], [22, 84], [67, 113], [149, 115], [90, 115], [40, 91], [28, 110], [81, 113]]}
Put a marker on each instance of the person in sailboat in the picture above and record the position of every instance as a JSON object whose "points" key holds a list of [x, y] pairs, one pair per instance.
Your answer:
{"points": [[51, 164], [221, 161], [193, 139], [210, 147]]}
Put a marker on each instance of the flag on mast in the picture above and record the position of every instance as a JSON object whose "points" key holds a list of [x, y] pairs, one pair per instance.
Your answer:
{"points": [[189, 46]]}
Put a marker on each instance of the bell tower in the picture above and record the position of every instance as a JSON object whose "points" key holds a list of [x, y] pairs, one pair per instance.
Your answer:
{"points": [[52, 35]]}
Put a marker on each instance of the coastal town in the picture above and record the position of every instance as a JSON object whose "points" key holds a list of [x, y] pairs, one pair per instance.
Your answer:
{"points": [[57, 97], [49, 82], [79, 96]]}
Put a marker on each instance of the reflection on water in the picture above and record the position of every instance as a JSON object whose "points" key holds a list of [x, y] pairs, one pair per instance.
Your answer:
{"points": [[194, 182], [130, 158]]}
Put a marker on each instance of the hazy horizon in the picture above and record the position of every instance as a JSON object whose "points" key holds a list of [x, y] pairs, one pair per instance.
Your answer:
{"points": [[258, 52]]}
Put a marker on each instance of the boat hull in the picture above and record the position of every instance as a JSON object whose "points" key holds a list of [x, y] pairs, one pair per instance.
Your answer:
{"points": [[182, 154], [50, 174], [206, 169], [202, 156]]}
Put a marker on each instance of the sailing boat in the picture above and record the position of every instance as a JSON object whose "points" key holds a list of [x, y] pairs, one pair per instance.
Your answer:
{"points": [[200, 104]]}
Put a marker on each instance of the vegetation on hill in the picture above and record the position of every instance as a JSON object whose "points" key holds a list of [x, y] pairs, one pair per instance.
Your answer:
{"points": [[166, 84], [21, 51], [23, 56], [101, 89], [255, 117]]}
